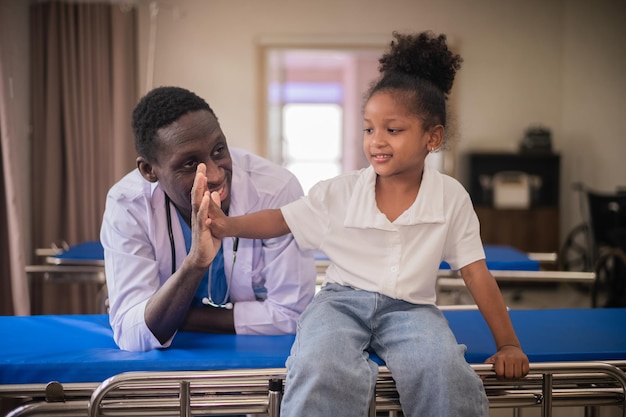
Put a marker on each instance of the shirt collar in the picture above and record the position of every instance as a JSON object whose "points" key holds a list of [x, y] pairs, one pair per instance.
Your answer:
{"points": [[363, 213]]}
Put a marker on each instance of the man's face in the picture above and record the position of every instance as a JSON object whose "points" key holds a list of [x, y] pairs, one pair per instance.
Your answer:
{"points": [[194, 138]]}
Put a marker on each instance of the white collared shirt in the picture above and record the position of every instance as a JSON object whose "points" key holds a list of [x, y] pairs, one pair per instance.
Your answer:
{"points": [[399, 259], [273, 281]]}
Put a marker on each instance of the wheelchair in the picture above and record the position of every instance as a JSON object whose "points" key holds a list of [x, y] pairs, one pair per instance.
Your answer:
{"points": [[599, 245]]}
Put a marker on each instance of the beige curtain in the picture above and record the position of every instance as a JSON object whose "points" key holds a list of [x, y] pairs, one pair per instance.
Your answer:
{"points": [[83, 59], [13, 285]]}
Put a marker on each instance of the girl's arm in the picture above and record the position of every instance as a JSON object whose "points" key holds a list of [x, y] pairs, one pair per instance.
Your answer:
{"points": [[263, 224], [509, 361]]}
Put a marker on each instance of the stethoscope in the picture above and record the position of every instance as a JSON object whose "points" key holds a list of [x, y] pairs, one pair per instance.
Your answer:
{"points": [[208, 300]]}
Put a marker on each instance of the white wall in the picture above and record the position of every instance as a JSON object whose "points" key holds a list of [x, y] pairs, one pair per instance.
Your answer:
{"points": [[594, 98], [509, 78]]}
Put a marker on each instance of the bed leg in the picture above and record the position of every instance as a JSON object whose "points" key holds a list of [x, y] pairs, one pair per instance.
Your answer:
{"points": [[590, 411], [185, 398], [546, 404], [275, 397]]}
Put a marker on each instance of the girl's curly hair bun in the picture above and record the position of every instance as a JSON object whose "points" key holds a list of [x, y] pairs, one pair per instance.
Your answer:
{"points": [[424, 56]]}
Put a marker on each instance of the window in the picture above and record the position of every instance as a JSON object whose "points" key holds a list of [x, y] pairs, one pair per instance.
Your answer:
{"points": [[312, 109], [312, 141]]}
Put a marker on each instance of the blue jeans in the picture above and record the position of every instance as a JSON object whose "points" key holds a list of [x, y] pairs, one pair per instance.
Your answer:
{"points": [[330, 372]]}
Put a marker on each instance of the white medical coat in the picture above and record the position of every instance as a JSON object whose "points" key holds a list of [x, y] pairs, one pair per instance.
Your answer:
{"points": [[138, 257]]}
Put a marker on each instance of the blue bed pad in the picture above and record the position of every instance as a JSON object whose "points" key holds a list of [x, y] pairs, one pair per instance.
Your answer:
{"points": [[80, 348], [83, 252], [505, 258]]}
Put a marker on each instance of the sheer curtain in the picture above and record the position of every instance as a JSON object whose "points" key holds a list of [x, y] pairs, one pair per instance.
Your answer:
{"points": [[83, 60]]}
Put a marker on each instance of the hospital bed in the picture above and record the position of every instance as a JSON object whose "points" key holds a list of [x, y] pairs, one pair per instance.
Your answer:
{"points": [[69, 365], [78, 264]]}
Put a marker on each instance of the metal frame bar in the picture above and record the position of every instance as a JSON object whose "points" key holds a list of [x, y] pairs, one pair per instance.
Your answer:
{"points": [[68, 273], [448, 277], [250, 391]]}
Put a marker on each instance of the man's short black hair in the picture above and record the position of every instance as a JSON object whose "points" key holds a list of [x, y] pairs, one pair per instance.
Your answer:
{"points": [[159, 108]]}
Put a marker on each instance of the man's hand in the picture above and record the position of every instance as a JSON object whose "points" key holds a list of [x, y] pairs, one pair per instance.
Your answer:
{"points": [[509, 362], [168, 308], [204, 245]]}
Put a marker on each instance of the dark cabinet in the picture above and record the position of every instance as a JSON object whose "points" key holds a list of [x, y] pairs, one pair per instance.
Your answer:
{"points": [[516, 198]]}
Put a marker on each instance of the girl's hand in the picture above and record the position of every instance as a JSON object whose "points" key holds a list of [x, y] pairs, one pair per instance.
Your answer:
{"points": [[217, 221], [509, 362]]}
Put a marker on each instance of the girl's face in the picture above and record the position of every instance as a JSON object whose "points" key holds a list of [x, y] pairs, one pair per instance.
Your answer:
{"points": [[394, 140]]}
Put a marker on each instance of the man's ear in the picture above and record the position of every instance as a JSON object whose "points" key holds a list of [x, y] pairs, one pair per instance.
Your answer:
{"points": [[436, 137], [146, 169]]}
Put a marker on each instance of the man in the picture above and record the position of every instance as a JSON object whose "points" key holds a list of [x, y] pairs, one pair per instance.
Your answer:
{"points": [[163, 267]]}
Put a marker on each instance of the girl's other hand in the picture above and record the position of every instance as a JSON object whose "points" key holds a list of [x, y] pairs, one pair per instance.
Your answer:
{"points": [[509, 362]]}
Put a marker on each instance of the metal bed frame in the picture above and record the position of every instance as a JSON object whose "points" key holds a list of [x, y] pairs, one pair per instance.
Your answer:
{"points": [[259, 391]]}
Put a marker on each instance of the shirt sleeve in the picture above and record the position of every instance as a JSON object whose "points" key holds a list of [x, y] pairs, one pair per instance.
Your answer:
{"points": [[289, 285], [463, 243], [307, 217], [287, 276], [131, 271]]}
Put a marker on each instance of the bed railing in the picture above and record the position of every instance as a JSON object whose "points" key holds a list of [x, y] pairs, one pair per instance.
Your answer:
{"points": [[259, 391]]}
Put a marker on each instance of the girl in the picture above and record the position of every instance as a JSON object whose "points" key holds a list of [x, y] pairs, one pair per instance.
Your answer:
{"points": [[386, 229]]}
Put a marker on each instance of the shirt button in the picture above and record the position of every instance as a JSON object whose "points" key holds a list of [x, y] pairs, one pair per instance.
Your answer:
{"points": [[394, 269]]}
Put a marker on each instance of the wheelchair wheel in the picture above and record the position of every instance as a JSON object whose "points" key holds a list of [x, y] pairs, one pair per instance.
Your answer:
{"points": [[609, 288], [575, 254]]}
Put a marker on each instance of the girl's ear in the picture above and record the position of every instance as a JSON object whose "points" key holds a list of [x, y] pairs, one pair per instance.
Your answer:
{"points": [[146, 169], [436, 138]]}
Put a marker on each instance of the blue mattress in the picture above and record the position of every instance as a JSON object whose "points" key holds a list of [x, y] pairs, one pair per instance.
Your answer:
{"points": [[80, 348], [83, 252], [505, 258]]}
